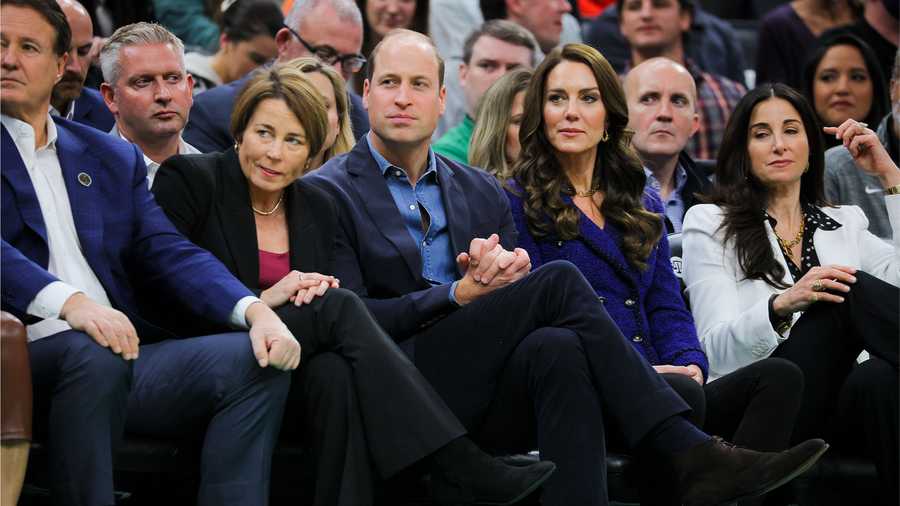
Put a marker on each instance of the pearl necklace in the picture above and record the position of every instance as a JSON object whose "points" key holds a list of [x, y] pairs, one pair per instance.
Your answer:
{"points": [[270, 212]]}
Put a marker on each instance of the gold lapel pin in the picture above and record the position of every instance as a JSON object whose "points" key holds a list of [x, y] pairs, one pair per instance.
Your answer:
{"points": [[85, 179]]}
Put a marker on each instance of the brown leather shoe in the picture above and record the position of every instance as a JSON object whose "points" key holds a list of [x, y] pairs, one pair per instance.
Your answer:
{"points": [[717, 472]]}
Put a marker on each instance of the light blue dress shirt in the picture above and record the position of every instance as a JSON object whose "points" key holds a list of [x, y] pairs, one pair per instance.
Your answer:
{"points": [[674, 205], [422, 205]]}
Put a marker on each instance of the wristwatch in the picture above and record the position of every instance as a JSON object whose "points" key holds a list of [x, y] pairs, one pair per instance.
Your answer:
{"points": [[892, 190]]}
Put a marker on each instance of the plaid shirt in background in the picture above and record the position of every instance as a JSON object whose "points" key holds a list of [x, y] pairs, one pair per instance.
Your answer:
{"points": [[716, 98]]}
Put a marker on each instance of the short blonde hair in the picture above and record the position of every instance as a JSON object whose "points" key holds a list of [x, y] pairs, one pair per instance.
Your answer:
{"points": [[283, 82], [487, 147], [345, 140]]}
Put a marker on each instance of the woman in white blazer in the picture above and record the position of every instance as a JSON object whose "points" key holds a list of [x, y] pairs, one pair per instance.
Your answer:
{"points": [[772, 270]]}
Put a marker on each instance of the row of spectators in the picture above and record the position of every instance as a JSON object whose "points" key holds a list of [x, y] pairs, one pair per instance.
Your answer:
{"points": [[537, 293]]}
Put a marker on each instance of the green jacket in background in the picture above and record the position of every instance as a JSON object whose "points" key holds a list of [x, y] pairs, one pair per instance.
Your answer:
{"points": [[455, 143]]}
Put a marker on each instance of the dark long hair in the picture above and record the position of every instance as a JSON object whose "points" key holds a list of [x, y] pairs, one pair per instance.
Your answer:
{"points": [[618, 172], [880, 102], [744, 198]]}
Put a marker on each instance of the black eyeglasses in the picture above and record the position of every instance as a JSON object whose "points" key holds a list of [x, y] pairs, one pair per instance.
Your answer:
{"points": [[330, 56]]}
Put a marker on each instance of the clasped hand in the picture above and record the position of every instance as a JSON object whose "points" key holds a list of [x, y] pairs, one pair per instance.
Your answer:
{"points": [[299, 288], [489, 266]]}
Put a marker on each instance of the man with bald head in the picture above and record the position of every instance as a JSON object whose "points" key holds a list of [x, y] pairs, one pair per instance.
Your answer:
{"points": [[662, 112], [330, 30], [522, 358], [70, 98]]}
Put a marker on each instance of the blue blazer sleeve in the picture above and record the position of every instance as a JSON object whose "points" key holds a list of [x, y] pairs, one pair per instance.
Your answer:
{"points": [[21, 279], [402, 316]]}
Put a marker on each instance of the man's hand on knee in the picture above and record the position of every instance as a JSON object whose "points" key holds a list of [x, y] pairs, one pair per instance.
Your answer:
{"points": [[109, 327]]}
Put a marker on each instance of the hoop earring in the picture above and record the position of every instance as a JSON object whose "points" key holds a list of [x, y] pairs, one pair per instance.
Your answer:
{"points": [[605, 136]]}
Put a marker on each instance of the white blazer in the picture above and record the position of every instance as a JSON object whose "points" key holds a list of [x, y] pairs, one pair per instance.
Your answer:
{"points": [[732, 313]]}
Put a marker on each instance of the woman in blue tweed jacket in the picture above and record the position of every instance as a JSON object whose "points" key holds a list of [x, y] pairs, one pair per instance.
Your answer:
{"points": [[577, 194]]}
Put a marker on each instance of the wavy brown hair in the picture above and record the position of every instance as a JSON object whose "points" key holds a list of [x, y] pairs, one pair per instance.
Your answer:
{"points": [[743, 198], [618, 172]]}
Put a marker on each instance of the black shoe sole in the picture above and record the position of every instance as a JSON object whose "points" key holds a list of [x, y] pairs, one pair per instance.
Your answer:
{"points": [[525, 493], [808, 463]]}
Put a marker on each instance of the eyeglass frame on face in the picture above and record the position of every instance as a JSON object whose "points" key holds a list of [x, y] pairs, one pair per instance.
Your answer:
{"points": [[331, 55]]}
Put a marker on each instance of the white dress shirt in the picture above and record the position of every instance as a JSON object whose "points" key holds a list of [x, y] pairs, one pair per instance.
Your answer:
{"points": [[68, 115], [183, 149], [66, 259]]}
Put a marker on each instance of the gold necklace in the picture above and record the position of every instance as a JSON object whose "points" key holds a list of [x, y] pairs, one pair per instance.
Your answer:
{"points": [[270, 212], [588, 193], [797, 238]]}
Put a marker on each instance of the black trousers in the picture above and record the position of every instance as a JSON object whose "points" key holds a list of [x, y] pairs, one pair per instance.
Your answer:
{"points": [[540, 363], [855, 407], [755, 407], [359, 403]]}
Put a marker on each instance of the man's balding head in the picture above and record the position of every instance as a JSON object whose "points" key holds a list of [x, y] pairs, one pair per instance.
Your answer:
{"points": [[404, 92], [662, 108], [79, 62], [404, 36], [333, 28]]}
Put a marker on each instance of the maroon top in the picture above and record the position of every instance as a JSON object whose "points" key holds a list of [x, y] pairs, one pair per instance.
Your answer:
{"points": [[273, 267]]}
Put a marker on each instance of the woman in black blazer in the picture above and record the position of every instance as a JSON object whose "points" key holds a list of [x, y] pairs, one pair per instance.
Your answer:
{"points": [[356, 398]]}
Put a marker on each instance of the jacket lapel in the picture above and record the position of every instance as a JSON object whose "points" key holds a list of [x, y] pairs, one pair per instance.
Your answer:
{"points": [[779, 256], [236, 220], [81, 173], [302, 239], [14, 171], [456, 207], [604, 244], [379, 204]]}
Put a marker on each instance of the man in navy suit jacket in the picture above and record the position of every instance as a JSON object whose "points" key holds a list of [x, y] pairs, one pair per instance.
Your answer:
{"points": [[331, 31], [78, 224], [70, 98], [519, 357]]}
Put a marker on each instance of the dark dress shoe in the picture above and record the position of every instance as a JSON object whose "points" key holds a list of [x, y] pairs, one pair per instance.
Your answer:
{"points": [[717, 472], [490, 483]]}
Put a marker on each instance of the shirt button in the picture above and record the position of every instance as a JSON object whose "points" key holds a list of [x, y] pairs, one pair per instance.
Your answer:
{"points": [[559, 244], [412, 207], [398, 173], [629, 302], [637, 339]]}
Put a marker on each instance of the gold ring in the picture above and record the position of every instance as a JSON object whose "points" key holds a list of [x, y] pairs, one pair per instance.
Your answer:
{"points": [[815, 297], [817, 285], [864, 125]]}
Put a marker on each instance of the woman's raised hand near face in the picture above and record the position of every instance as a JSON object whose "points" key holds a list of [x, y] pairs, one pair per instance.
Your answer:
{"points": [[867, 151]]}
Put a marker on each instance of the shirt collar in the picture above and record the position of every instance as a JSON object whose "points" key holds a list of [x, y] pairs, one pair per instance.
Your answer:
{"points": [[813, 216], [384, 165], [23, 133], [680, 178], [183, 147], [69, 114]]}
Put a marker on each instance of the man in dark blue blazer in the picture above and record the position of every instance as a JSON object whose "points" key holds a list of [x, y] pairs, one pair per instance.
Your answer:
{"points": [[523, 359], [78, 224], [330, 30], [70, 99]]}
